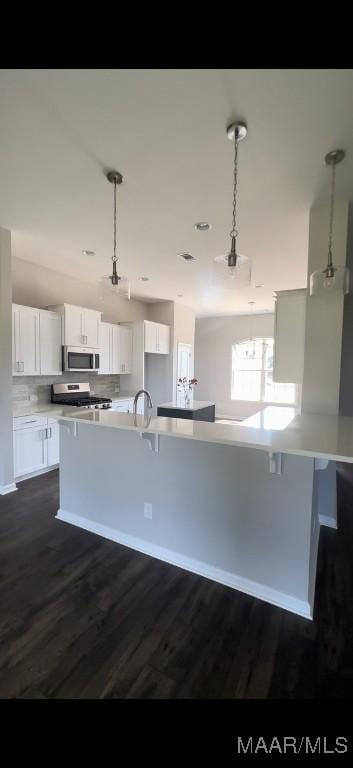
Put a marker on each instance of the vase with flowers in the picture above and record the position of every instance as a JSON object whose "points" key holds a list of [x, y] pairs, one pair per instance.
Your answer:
{"points": [[185, 386]]}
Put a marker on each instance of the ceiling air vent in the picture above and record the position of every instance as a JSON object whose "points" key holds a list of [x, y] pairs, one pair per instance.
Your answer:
{"points": [[186, 256]]}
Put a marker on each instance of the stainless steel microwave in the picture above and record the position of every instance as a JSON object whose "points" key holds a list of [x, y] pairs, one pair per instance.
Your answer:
{"points": [[80, 359]]}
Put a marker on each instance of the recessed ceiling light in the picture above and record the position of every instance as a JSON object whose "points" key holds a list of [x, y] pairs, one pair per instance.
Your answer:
{"points": [[180, 295], [260, 285], [186, 256], [144, 279], [88, 253], [202, 226]]}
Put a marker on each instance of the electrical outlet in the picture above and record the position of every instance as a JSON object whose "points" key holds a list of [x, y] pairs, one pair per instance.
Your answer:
{"points": [[147, 510]]}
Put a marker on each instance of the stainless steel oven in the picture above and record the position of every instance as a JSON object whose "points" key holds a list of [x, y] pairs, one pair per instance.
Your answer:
{"points": [[80, 359]]}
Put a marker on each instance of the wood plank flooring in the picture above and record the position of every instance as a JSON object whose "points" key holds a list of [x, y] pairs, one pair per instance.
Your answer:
{"points": [[82, 617]]}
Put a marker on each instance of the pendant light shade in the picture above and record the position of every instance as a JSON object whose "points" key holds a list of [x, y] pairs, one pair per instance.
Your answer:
{"points": [[233, 269], [115, 283], [333, 279]]}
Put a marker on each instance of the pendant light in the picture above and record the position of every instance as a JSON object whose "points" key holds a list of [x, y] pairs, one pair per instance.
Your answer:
{"points": [[117, 283], [333, 280], [233, 268]]}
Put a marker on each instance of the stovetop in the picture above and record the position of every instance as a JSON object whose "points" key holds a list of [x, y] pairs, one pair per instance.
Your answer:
{"points": [[78, 395]]}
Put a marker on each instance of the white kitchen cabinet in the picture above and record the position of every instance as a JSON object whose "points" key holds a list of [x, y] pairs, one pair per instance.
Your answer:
{"points": [[50, 343], [115, 349], [122, 349], [25, 341], [30, 447], [105, 360], [35, 444], [52, 440], [157, 338], [289, 336], [36, 342], [80, 326], [127, 406], [91, 322]]}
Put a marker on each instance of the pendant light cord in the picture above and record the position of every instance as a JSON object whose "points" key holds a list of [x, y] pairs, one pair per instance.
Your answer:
{"points": [[333, 179], [233, 232], [114, 241]]}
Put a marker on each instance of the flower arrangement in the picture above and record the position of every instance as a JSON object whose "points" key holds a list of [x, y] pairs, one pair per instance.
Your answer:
{"points": [[186, 385]]}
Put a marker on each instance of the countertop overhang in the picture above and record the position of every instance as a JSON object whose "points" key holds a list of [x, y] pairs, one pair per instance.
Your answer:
{"points": [[313, 435]]}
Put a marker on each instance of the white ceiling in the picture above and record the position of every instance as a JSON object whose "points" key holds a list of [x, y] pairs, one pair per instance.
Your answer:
{"points": [[165, 131]]}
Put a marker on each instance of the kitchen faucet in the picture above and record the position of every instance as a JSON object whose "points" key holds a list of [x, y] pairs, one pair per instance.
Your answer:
{"points": [[146, 393]]}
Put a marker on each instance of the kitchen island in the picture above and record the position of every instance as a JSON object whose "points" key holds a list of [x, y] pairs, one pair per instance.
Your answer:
{"points": [[238, 504], [197, 410]]}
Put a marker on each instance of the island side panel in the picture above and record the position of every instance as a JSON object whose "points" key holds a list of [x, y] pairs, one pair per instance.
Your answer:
{"points": [[215, 509]]}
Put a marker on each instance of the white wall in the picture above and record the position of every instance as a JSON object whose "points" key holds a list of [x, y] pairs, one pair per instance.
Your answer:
{"points": [[37, 286], [214, 338], [6, 450]]}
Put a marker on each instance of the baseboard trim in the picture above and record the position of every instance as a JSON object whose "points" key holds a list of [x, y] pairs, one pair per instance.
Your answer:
{"points": [[4, 489], [38, 472], [252, 588], [330, 522]]}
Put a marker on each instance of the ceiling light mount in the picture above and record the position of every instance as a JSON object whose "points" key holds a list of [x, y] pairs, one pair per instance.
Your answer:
{"points": [[334, 157], [237, 131], [115, 177]]}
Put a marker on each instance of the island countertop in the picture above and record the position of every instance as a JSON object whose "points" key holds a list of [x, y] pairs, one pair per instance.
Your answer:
{"points": [[313, 435], [193, 405]]}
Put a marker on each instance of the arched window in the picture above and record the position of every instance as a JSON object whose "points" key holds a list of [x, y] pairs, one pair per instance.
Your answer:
{"points": [[252, 367]]}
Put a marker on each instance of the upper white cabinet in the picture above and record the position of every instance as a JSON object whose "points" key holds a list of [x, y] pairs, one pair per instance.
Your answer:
{"points": [[36, 341], [157, 338], [115, 349], [122, 348], [289, 338], [80, 326], [105, 337], [50, 343], [25, 341]]}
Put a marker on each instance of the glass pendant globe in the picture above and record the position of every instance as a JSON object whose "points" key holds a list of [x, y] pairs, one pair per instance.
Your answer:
{"points": [[323, 285], [121, 289], [231, 277]]}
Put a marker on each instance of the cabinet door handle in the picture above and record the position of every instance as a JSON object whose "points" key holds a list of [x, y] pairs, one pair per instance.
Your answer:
{"points": [[50, 430], [22, 367]]}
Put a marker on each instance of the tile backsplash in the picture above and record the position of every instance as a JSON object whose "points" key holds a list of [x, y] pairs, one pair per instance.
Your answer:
{"points": [[37, 388]]}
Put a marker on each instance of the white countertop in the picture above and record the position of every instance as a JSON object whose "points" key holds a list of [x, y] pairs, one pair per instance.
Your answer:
{"points": [[327, 437], [52, 410], [27, 407], [194, 405]]}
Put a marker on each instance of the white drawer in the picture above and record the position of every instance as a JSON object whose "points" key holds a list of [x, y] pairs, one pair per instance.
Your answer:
{"points": [[24, 422], [121, 405]]}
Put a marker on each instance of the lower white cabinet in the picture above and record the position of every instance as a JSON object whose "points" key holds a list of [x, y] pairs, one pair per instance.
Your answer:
{"points": [[127, 406], [53, 442], [35, 444]]}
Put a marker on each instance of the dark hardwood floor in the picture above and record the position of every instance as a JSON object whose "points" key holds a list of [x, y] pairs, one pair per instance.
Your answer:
{"points": [[82, 617]]}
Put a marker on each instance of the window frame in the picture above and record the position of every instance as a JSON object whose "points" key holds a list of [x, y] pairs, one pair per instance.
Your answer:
{"points": [[263, 339]]}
